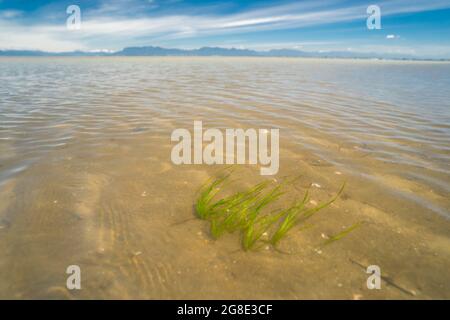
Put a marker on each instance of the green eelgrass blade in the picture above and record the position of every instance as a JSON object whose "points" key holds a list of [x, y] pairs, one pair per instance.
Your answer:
{"points": [[232, 213], [256, 226], [254, 207], [309, 213], [229, 213], [342, 234], [241, 211], [238, 211], [203, 206], [256, 229], [297, 214], [289, 221]]}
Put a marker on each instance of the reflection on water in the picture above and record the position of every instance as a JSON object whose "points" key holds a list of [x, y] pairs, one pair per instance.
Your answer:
{"points": [[86, 177]]}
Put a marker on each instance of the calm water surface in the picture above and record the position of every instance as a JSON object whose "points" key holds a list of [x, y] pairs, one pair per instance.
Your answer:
{"points": [[86, 176]]}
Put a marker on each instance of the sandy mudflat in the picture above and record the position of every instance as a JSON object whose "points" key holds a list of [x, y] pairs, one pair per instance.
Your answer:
{"points": [[86, 177]]}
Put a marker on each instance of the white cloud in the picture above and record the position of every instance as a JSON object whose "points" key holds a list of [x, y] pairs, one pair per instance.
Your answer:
{"points": [[108, 27], [10, 14], [392, 36]]}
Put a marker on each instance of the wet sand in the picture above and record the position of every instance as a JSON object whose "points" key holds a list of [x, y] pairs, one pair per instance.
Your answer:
{"points": [[86, 177]]}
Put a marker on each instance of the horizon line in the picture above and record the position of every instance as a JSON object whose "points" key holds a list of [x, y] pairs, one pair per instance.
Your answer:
{"points": [[275, 52]]}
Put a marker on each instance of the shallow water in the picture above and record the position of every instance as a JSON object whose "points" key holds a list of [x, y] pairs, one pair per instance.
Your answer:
{"points": [[86, 177]]}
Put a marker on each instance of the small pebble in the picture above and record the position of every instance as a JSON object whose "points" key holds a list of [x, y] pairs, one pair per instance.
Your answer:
{"points": [[340, 285], [137, 253], [144, 194], [313, 202], [357, 296], [338, 173], [316, 185], [56, 201], [323, 235]]}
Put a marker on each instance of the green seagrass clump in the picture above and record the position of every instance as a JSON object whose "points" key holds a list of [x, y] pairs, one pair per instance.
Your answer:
{"points": [[244, 212]]}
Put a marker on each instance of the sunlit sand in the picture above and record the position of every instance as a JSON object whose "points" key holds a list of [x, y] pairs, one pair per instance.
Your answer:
{"points": [[86, 176]]}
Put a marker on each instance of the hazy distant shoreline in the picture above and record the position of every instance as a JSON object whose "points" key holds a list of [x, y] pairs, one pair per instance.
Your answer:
{"points": [[216, 51]]}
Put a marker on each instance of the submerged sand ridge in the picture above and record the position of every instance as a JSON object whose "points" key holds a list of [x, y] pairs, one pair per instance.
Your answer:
{"points": [[97, 187]]}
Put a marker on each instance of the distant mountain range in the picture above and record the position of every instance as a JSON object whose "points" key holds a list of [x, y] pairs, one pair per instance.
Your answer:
{"points": [[213, 51]]}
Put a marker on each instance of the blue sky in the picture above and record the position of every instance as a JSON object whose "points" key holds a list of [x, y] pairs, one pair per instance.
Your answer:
{"points": [[409, 27]]}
